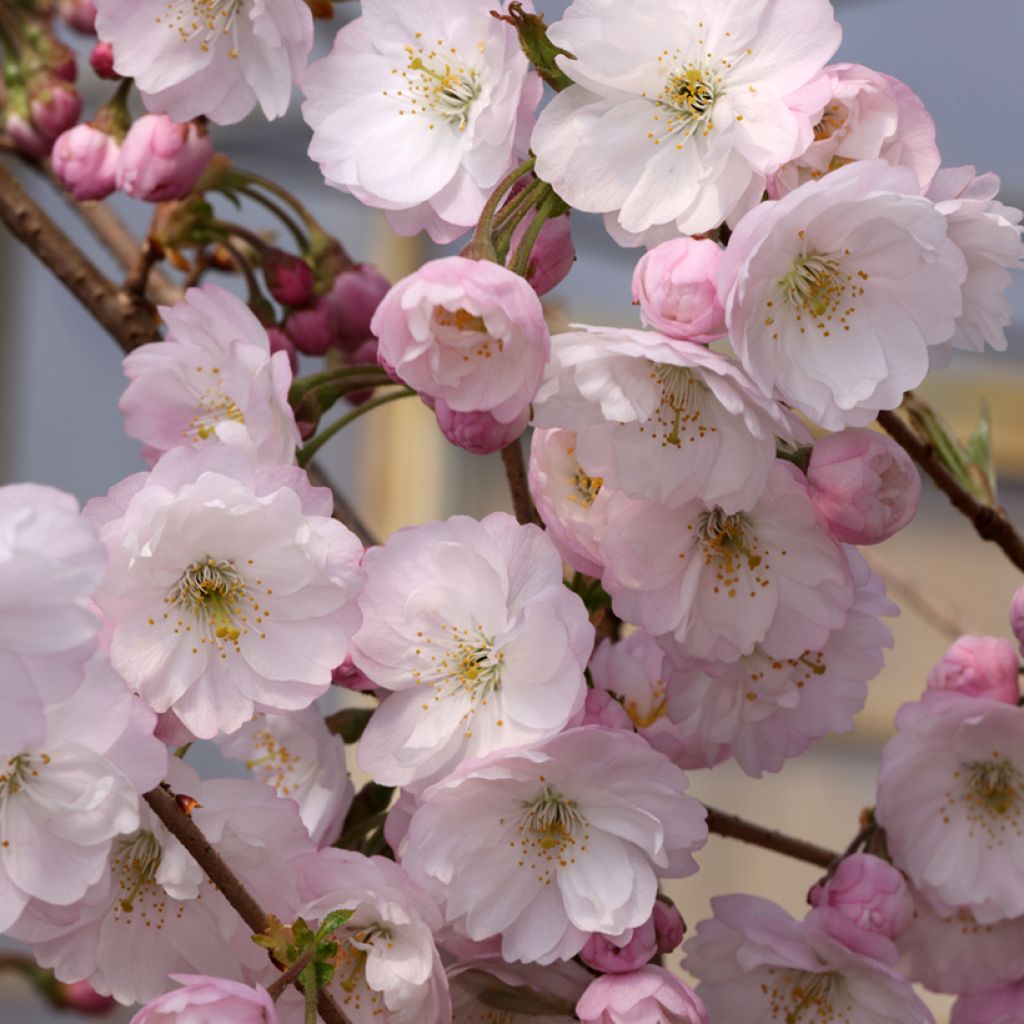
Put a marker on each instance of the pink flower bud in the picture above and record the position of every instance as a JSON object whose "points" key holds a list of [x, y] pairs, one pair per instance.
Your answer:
{"points": [[353, 299], [620, 953], [312, 327], [102, 61], [364, 355], [25, 136], [170, 730], [477, 432], [668, 926], [162, 160], [83, 998], [205, 998], [60, 59], [675, 286], [871, 893], [863, 484], [1003, 1005], [289, 278], [280, 342], [552, 256], [1017, 616], [979, 666], [352, 678], [650, 995], [79, 14], [85, 160], [601, 708], [55, 107]]}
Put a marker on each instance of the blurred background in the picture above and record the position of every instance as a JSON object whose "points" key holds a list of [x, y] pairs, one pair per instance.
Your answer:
{"points": [[61, 379]]}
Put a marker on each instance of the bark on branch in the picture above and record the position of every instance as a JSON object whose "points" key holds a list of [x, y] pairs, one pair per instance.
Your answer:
{"points": [[722, 824], [991, 523], [515, 470]]}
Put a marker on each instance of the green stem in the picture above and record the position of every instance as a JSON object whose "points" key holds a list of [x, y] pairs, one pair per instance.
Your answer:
{"points": [[280, 213], [481, 241], [533, 195], [514, 206], [309, 984], [304, 385], [521, 261], [226, 228], [310, 449]]}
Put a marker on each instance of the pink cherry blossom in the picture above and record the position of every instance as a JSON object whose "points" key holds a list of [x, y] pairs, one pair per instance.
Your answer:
{"points": [[389, 968], [998, 1006], [864, 484], [763, 709], [154, 913], [661, 419], [571, 503], [669, 927], [211, 381], [231, 590], [190, 60], [989, 236], [466, 332], [615, 954], [979, 666], [869, 115], [814, 285], [756, 965], [65, 801], [675, 286], [601, 708], [85, 160], [302, 760], [50, 564], [650, 994], [477, 432], [679, 111], [546, 844], [633, 672], [722, 584], [202, 998], [81, 997], [951, 801], [162, 160], [470, 625]]}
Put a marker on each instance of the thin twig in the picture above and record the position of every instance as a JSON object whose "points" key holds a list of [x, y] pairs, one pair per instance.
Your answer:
{"points": [[278, 985], [149, 255], [942, 618], [515, 470], [185, 830], [991, 523], [733, 827]]}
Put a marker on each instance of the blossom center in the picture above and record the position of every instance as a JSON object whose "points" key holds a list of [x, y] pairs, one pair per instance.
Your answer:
{"points": [[551, 823], [585, 488], [274, 763], [818, 288], [213, 406], [686, 102], [437, 84], [18, 772], [203, 21], [831, 121], [135, 865], [729, 547], [216, 597], [465, 331], [680, 414], [353, 952], [995, 786], [807, 996]]}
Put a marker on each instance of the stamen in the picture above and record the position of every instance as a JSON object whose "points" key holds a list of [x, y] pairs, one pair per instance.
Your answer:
{"points": [[203, 21]]}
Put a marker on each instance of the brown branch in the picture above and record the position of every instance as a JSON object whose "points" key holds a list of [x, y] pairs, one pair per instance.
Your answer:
{"points": [[129, 323], [991, 523], [278, 985], [184, 829], [515, 470], [732, 827]]}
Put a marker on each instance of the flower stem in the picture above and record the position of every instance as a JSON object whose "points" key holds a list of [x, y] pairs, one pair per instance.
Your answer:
{"points": [[481, 247], [521, 260], [312, 447], [280, 213]]}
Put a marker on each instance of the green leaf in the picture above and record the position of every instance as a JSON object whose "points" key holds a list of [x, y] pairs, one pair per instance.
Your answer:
{"points": [[979, 457], [332, 922], [539, 50]]}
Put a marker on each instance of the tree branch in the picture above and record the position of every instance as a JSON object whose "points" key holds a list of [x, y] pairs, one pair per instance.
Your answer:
{"points": [[130, 323], [991, 523], [733, 827], [185, 830], [515, 470]]}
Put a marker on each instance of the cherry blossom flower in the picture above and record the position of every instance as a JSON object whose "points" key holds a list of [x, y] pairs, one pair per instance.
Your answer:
{"points": [[979, 666], [212, 380], [50, 563], [203, 998], [217, 58], [64, 802], [633, 671], [989, 236], [757, 965], [301, 759], [468, 333], [680, 108], [650, 994], [661, 419], [419, 110], [155, 913], [571, 503], [388, 968], [231, 590], [951, 801], [947, 950], [722, 584], [546, 844], [763, 709], [869, 116], [836, 294], [470, 625], [616, 954], [162, 160], [999, 1006]]}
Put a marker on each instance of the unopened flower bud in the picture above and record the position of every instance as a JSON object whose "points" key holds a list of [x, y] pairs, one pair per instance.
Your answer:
{"points": [[79, 14], [477, 432], [871, 893], [863, 484], [552, 255], [979, 666], [85, 160], [81, 997], [280, 342], [101, 60], [604, 953], [650, 994], [26, 138], [162, 160], [352, 678], [668, 926], [675, 286], [354, 297], [289, 278], [55, 105], [312, 327]]}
